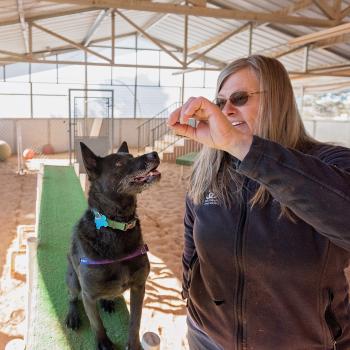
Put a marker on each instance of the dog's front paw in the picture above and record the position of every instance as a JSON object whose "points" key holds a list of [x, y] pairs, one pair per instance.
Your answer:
{"points": [[107, 305], [73, 321], [105, 344]]}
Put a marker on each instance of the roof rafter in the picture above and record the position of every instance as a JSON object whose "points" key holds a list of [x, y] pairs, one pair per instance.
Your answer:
{"points": [[15, 58], [158, 17], [344, 13], [224, 37], [205, 59], [316, 40], [156, 42], [320, 35], [341, 73], [143, 5], [322, 44], [298, 5], [57, 50], [48, 14], [327, 10], [74, 44]]}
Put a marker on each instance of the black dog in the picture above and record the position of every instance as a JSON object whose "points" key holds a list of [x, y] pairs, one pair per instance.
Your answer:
{"points": [[108, 255]]}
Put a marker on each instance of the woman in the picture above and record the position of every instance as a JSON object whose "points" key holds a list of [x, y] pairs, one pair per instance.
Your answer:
{"points": [[267, 222]]}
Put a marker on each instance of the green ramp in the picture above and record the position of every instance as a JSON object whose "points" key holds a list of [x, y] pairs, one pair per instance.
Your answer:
{"points": [[62, 203]]}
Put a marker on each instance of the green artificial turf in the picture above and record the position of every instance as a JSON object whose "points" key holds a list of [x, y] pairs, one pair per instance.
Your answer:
{"points": [[186, 159], [62, 203]]}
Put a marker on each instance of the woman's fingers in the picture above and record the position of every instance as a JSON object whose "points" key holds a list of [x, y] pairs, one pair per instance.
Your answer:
{"points": [[174, 117], [197, 107], [184, 130], [174, 124]]}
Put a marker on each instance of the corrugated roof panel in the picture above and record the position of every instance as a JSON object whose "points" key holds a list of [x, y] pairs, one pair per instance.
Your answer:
{"points": [[267, 37], [170, 31], [11, 39], [121, 25], [8, 9]]}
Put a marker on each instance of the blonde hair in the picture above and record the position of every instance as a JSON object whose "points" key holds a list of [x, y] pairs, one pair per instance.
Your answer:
{"points": [[278, 120]]}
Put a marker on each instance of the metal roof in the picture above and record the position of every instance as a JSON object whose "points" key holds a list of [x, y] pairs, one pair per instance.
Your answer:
{"points": [[67, 24]]}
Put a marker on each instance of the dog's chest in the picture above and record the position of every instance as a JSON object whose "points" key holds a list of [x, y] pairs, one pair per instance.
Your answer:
{"points": [[114, 280]]}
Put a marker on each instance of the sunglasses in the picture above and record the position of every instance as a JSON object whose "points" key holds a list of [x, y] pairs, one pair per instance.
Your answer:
{"points": [[238, 99]]}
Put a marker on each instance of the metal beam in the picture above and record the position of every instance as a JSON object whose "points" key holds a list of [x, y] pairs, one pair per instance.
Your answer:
{"points": [[113, 36], [142, 5], [23, 24], [286, 51], [16, 59], [227, 36], [215, 39], [76, 45], [30, 38], [158, 17], [322, 44], [295, 6], [105, 38], [10, 53], [202, 3], [288, 31], [298, 75], [100, 17], [327, 10], [250, 45], [337, 67], [344, 13], [185, 42], [68, 48], [149, 37], [320, 35], [59, 49], [219, 64], [306, 59], [48, 14]]}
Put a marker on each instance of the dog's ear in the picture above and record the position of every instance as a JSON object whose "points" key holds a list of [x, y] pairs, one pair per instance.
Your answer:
{"points": [[123, 148], [90, 161]]}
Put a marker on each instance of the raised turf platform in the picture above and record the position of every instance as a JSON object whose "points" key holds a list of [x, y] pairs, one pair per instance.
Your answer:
{"points": [[187, 159], [61, 204]]}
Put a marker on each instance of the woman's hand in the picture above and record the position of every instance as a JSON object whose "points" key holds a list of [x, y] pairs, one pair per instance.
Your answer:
{"points": [[213, 130]]}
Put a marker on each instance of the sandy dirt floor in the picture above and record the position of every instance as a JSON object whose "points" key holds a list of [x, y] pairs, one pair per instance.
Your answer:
{"points": [[161, 211]]}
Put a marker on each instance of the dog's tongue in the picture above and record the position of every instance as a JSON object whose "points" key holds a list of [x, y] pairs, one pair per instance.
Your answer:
{"points": [[148, 175]]}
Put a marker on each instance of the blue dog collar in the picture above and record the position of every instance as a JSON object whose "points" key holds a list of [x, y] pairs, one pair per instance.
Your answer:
{"points": [[102, 221]]}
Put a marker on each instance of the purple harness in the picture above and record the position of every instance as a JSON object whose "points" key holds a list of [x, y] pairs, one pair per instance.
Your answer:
{"points": [[139, 251]]}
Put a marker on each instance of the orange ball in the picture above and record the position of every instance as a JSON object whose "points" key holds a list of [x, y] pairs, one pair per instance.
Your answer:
{"points": [[28, 153], [48, 149]]}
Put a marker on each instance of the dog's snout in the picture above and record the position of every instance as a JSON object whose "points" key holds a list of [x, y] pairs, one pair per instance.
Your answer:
{"points": [[152, 156]]}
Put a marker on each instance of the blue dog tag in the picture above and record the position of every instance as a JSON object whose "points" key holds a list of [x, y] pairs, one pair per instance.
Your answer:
{"points": [[100, 221], [84, 260]]}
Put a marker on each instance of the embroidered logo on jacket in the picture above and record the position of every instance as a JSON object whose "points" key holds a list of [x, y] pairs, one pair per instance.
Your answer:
{"points": [[211, 199]]}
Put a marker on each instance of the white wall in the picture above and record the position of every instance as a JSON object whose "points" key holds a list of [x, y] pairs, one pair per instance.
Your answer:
{"points": [[38, 132], [335, 131]]}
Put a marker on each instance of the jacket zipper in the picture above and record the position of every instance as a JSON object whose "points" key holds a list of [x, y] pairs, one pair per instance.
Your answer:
{"points": [[240, 268], [330, 299]]}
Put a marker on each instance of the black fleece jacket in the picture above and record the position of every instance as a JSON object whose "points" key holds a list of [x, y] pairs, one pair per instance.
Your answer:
{"points": [[258, 281]]}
